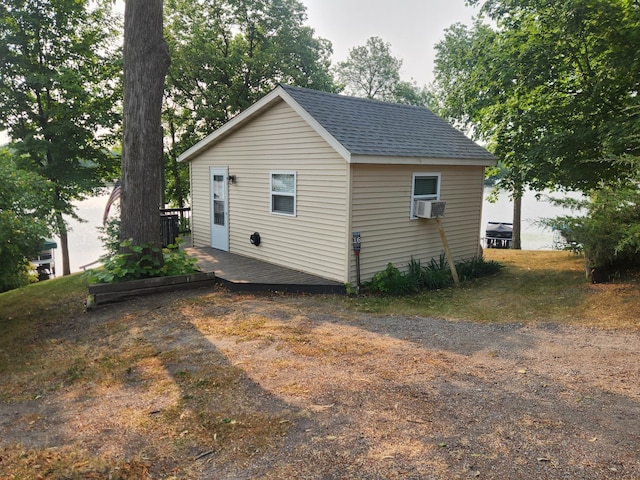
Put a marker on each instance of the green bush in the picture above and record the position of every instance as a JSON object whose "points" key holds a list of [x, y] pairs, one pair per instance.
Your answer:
{"points": [[23, 219], [390, 281], [130, 265], [110, 236], [435, 275], [609, 233], [476, 268]]}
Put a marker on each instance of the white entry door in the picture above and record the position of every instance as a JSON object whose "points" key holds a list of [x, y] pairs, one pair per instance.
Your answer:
{"points": [[219, 209]]}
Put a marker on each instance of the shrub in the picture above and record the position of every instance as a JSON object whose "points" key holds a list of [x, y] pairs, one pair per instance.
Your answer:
{"points": [[390, 281], [477, 267], [110, 236], [435, 275], [609, 233], [23, 219], [122, 266]]}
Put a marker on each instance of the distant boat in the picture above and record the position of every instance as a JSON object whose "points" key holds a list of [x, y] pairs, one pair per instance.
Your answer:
{"points": [[498, 235]]}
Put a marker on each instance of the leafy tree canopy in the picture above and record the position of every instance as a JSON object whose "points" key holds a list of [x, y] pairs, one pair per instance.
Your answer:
{"points": [[371, 71], [551, 87], [23, 223], [58, 86], [225, 55]]}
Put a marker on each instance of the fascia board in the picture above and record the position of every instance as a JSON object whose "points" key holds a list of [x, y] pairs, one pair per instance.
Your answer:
{"points": [[314, 124], [244, 117], [231, 125], [384, 160]]}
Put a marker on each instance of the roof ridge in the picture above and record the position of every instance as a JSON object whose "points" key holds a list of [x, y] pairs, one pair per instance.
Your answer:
{"points": [[355, 98], [373, 127]]}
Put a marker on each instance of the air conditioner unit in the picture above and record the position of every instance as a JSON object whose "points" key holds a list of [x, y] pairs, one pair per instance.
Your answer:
{"points": [[428, 209]]}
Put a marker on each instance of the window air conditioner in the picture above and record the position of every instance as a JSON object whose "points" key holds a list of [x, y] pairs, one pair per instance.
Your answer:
{"points": [[429, 209]]}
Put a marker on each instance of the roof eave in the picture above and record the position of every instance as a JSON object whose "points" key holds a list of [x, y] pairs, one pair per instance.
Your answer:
{"points": [[233, 124], [247, 115], [397, 160]]}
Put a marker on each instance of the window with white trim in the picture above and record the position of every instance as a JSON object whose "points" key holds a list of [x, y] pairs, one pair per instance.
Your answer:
{"points": [[283, 193], [425, 186]]}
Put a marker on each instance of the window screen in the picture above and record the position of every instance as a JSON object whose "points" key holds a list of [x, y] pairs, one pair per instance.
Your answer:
{"points": [[283, 193], [426, 186]]}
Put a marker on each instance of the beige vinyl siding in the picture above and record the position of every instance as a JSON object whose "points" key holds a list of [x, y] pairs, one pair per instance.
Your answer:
{"points": [[279, 141], [381, 203], [200, 204]]}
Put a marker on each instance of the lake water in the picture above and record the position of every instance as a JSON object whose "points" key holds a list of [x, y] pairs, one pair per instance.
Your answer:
{"points": [[85, 246], [533, 236]]}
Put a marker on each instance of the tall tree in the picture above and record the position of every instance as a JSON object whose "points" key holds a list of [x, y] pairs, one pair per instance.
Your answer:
{"points": [[548, 88], [370, 71], [58, 95], [225, 55], [146, 61], [409, 93]]}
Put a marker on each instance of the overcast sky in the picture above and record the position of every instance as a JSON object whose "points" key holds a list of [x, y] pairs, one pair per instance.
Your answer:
{"points": [[412, 27]]}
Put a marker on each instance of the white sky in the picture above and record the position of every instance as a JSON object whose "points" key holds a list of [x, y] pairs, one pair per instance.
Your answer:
{"points": [[412, 27]]}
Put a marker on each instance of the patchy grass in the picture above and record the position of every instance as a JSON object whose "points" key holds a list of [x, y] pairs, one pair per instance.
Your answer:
{"points": [[23, 313], [147, 374], [52, 300], [535, 287], [147, 379]]}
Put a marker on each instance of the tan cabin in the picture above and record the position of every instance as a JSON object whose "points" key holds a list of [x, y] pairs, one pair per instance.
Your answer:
{"points": [[289, 180]]}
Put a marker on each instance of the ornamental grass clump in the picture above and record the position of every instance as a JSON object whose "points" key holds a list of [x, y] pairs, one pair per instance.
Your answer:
{"points": [[434, 276]]}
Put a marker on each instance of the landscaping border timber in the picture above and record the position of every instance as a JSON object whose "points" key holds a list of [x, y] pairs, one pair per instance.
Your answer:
{"points": [[103, 293]]}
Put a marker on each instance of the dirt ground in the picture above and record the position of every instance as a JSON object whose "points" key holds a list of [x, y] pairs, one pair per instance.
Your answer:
{"points": [[341, 395]]}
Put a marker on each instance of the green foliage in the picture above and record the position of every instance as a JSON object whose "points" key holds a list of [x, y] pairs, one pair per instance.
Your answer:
{"points": [[370, 71], [390, 281], [434, 276], [110, 236], [58, 95], [409, 93], [550, 87], [136, 262], [225, 55], [609, 232], [477, 268], [23, 224], [437, 273]]}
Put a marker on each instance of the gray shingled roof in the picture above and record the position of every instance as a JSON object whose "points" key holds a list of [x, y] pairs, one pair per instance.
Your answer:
{"points": [[370, 127]]}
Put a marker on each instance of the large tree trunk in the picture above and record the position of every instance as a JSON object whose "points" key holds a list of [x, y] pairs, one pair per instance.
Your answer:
{"points": [[146, 61]]}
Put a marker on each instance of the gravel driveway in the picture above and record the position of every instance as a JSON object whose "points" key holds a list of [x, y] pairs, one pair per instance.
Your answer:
{"points": [[355, 396]]}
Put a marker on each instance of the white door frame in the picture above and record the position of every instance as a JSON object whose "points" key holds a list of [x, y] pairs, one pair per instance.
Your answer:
{"points": [[219, 204]]}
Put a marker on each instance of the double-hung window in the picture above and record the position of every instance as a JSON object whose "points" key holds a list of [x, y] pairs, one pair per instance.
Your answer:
{"points": [[426, 186], [283, 193]]}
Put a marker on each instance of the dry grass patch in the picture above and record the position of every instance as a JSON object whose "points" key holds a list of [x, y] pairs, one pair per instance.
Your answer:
{"points": [[209, 384]]}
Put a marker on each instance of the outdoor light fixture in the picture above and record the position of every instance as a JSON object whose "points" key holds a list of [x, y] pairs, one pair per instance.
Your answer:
{"points": [[232, 179]]}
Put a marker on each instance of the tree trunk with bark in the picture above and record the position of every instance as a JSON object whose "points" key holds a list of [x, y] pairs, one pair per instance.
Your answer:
{"points": [[64, 244], [146, 61], [516, 241]]}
